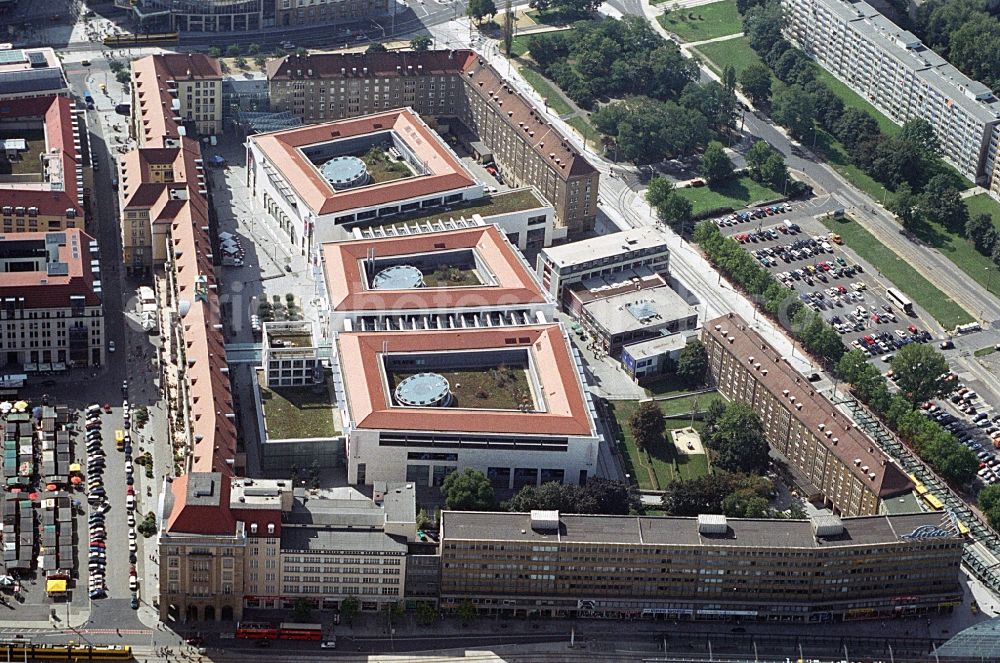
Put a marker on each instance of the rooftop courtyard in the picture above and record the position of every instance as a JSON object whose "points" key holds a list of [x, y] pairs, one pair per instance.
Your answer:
{"points": [[475, 380], [499, 203], [439, 269], [26, 162], [297, 412]]}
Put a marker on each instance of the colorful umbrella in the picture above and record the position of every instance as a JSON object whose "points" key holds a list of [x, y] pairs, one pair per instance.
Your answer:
{"points": [[76, 481], [21, 406]]}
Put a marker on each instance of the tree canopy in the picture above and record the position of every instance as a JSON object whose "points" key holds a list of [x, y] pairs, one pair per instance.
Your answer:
{"points": [[716, 166], [709, 493], [671, 208], [647, 425], [692, 364], [738, 440], [468, 490], [755, 79], [919, 371], [597, 496]]}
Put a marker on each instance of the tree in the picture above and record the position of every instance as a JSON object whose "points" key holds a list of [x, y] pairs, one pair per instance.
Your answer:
{"points": [[744, 504], [989, 504], [762, 26], [376, 47], [942, 203], [980, 231], [647, 425], [241, 62], [466, 611], [349, 609], [706, 494], [302, 611], [756, 157], [421, 43], [301, 51], [774, 172], [253, 49], [223, 66], [670, 207], [692, 364], [854, 127], [716, 166], [233, 50], [739, 441], [427, 614], [214, 52], [480, 9], [995, 257], [795, 109], [468, 490], [905, 205], [713, 413], [123, 76], [920, 134], [729, 78], [755, 80], [260, 61], [508, 29], [423, 520], [918, 369]]}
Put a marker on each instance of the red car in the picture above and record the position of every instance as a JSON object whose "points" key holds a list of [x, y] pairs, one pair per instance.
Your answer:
{"points": [[912, 329], [107, 408], [97, 544], [131, 490]]}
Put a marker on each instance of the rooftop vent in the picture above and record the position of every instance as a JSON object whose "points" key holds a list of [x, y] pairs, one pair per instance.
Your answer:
{"points": [[827, 525], [545, 521], [712, 524]]}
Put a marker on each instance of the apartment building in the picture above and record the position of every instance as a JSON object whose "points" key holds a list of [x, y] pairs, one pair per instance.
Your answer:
{"points": [[705, 568], [890, 68], [163, 185], [155, 183], [227, 544], [639, 249], [43, 188], [31, 72], [174, 93], [831, 460], [244, 15], [465, 95], [52, 314]]}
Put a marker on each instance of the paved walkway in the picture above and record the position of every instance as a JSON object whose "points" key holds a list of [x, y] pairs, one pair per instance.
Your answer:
{"points": [[692, 44]]}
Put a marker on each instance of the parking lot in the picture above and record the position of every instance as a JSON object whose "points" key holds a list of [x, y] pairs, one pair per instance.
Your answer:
{"points": [[826, 276]]}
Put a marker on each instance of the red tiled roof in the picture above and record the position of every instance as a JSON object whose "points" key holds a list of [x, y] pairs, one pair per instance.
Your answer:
{"points": [[345, 278], [281, 148], [56, 114], [851, 443], [369, 403], [190, 519], [42, 290], [478, 76]]}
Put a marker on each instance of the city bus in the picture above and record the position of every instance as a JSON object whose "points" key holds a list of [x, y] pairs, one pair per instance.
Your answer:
{"points": [[897, 298], [256, 631], [288, 631], [22, 651]]}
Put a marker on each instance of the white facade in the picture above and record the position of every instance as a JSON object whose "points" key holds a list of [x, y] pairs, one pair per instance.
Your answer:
{"points": [[891, 69], [305, 228], [62, 335], [510, 461], [560, 266]]}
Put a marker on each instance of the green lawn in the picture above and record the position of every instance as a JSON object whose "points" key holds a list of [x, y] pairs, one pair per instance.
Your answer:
{"points": [[703, 22], [582, 125], [984, 203], [557, 17], [519, 46], [736, 193], [499, 203], [27, 162], [545, 88], [297, 412], [984, 352], [736, 52], [656, 469], [905, 277], [481, 388]]}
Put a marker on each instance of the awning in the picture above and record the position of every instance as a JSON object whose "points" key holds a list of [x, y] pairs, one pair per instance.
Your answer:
{"points": [[55, 586]]}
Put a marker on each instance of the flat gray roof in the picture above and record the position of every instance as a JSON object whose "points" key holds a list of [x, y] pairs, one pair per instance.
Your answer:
{"points": [[644, 530], [640, 309], [927, 65], [657, 346], [315, 539], [605, 246]]}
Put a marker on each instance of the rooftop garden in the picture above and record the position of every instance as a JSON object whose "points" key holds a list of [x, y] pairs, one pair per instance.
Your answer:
{"points": [[297, 412], [27, 162], [448, 276], [501, 203], [488, 388], [382, 167]]}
